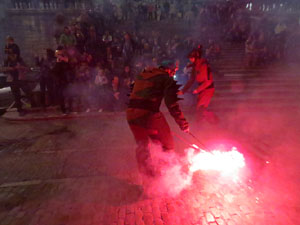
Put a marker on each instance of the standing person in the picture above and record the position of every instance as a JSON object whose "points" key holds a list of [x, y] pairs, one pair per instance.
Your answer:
{"points": [[46, 78], [16, 69], [144, 118], [61, 72], [128, 49], [67, 39], [202, 73], [101, 90], [11, 46]]}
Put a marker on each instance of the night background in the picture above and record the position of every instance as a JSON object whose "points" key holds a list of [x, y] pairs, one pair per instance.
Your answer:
{"points": [[67, 153]]}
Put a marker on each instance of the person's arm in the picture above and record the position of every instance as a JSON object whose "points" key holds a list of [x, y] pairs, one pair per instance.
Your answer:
{"points": [[203, 86], [171, 101], [190, 82], [208, 79]]}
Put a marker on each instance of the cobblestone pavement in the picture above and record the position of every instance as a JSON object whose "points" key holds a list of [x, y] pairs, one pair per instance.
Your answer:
{"points": [[84, 172]]}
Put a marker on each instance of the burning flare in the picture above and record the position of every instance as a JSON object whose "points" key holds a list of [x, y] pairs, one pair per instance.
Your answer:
{"points": [[227, 163]]}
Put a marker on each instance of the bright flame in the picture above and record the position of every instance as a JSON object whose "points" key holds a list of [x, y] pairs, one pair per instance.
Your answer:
{"points": [[227, 163]]}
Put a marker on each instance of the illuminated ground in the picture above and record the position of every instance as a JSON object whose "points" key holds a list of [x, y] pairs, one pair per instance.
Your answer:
{"points": [[69, 172]]}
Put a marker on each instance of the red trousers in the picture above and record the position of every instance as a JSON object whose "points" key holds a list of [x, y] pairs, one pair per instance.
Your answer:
{"points": [[205, 97]]}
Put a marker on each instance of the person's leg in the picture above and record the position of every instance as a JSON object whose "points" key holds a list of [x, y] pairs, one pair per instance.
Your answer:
{"points": [[143, 155], [27, 89], [60, 97], [160, 132], [204, 99], [50, 89], [43, 91], [15, 90]]}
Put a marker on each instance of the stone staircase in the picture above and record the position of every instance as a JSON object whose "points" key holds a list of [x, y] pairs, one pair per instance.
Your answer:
{"points": [[268, 88]]}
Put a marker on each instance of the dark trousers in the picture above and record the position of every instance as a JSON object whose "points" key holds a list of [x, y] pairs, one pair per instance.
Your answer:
{"points": [[16, 87], [47, 84], [154, 128], [61, 94]]}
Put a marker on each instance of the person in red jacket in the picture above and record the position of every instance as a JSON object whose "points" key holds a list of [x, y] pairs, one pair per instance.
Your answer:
{"points": [[202, 74]]}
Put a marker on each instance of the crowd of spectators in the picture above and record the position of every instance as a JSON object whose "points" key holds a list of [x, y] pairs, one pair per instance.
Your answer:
{"points": [[94, 63], [137, 10], [266, 43]]}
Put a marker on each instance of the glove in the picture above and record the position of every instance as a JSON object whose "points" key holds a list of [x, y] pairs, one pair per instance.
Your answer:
{"points": [[186, 130], [185, 127]]}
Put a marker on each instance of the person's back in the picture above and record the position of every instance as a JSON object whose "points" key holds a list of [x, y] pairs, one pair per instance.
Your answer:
{"points": [[149, 89]]}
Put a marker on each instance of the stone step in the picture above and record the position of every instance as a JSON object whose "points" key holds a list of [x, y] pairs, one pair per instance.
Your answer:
{"points": [[264, 78], [254, 108], [252, 96], [256, 101], [282, 87]]}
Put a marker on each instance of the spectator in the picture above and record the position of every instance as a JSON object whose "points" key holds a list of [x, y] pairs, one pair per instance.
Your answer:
{"points": [[94, 45], [213, 51], [83, 87], [46, 78], [17, 69], [11, 47], [80, 40], [128, 49], [101, 90], [67, 39], [61, 71], [158, 12], [250, 51], [107, 38]]}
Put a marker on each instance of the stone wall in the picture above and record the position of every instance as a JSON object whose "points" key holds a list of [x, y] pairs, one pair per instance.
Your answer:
{"points": [[33, 31]]}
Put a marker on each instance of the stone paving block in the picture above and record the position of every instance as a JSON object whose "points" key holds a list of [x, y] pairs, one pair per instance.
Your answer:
{"points": [[130, 219], [231, 222], [129, 209], [156, 203], [171, 208], [225, 215], [122, 213], [140, 222], [163, 207], [138, 214], [209, 217], [203, 221], [147, 207], [156, 213], [194, 215], [121, 222], [148, 219], [216, 212], [158, 221], [244, 208], [220, 221], [165, 217], [236, 218]]}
